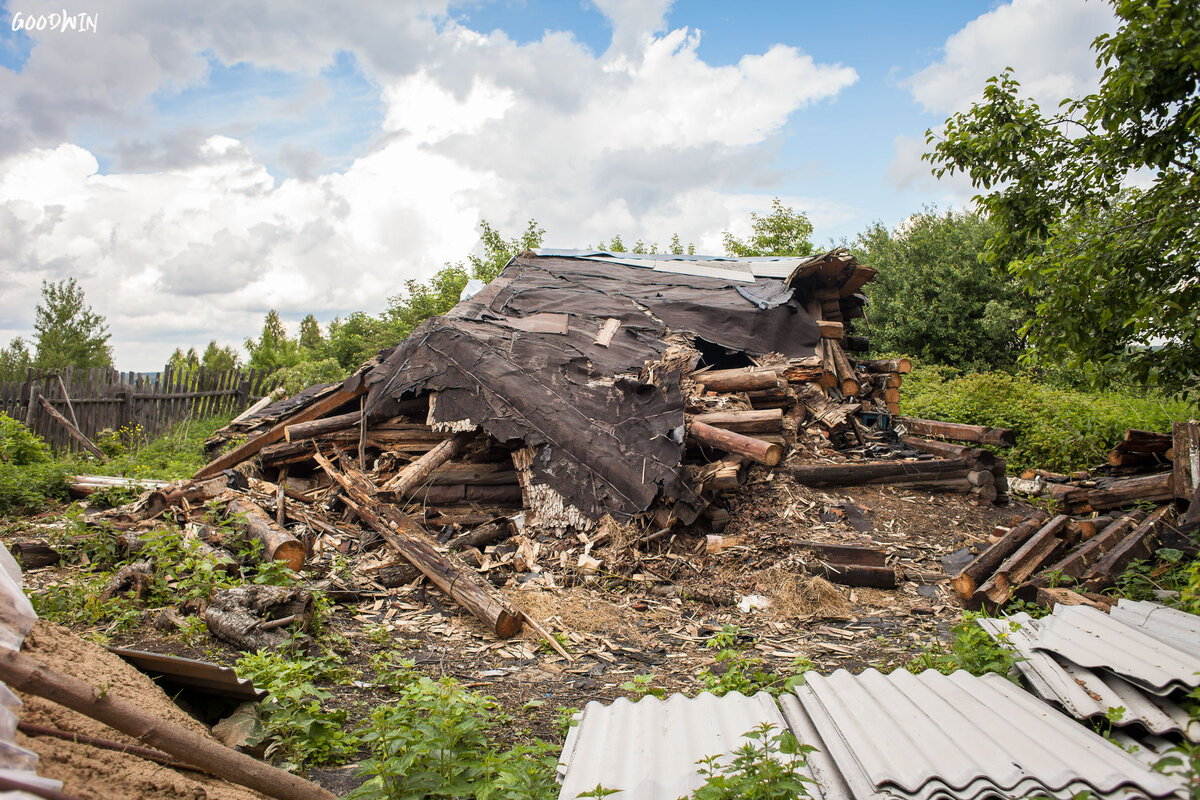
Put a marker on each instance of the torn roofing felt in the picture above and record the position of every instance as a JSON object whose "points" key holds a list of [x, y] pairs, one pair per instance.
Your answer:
{"points": [[522, 359]]}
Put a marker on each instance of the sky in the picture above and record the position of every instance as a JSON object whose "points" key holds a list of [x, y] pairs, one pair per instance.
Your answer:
{"points": [[195, 164]]}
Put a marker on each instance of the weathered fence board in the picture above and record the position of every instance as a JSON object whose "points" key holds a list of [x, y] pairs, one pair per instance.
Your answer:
{"points": [[101, 398]]}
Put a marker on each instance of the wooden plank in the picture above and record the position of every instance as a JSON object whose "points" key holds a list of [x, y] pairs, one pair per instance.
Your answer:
{"points": [[1002, 437], [275, 433], [1186, 458], [73, 431]]}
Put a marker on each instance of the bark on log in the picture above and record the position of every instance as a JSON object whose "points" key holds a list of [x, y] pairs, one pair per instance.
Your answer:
{"points": [[443, 494], [845, 372], [1139, 441], [1157, 488], [765, 421], [84, 485], [763, 452], [34, 555], [418, 471], [966, 581], [411, 542], [276, 432], [300, 431], [1139, 543], [1050, 597], [880, 472], [1002, 437], [242, 615], [901, 366], [278, 544], [1186, 459], [975, 456], [75, 433], [1079, 561], [25, 674], [1018, 567], [1080, 530], [722, 381], [482, 536]]}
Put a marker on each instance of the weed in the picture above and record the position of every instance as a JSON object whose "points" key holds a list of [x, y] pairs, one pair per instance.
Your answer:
{"points": [[643, 685], [737, 672], [757, 771], [1141, 579], [564, 719], [972, 649]]}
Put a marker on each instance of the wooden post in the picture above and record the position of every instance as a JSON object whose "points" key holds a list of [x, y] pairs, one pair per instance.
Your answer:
{"points": [[278, 544], [1002, 437], [35, 392], [897, 472], [985, 563], [75, 433], [418, 471]]}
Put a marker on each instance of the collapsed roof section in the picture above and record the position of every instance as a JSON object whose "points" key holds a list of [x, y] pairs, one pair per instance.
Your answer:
{"points": [[552, 357]]}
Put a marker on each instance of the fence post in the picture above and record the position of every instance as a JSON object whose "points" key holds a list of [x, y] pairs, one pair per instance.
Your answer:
{"points": [[35, 391], [243, 394]]}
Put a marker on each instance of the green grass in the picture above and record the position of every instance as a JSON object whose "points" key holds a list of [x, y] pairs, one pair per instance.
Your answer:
{"points": [[1057, 429]]}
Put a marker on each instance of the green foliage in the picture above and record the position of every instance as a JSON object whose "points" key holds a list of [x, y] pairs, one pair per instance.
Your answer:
{"points": [[1169, 572], [177, 453], [183, 363], [306, 373], [642, 685], [1183, 760], [273, 348], [294, 723], [20, 446], [219, 359], [27, 475], [760, 769], [933, 297], [15, 360], [1114, 269], [1057, 429], [783, 232], [68, 333], [737, 672], [434, 741], [972, 649], [311, 339]]}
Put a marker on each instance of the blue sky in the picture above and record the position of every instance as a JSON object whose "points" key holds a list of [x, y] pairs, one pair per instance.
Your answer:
{"points": [[196, 164]]}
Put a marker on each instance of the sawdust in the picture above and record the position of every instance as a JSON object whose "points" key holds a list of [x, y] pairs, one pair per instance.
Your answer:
{"points": [[89, 773], [800, 596], [574, 609]]}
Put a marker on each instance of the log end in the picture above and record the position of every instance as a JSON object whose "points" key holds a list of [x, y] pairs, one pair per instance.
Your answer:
{"points": [[963, 585], [773, 455], [509, 623], [851, 387], [292, 554], [903, 366]]}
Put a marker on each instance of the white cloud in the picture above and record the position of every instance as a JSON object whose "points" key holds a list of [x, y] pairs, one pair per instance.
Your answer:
{"points": [[1047, 43], [644, 140]]}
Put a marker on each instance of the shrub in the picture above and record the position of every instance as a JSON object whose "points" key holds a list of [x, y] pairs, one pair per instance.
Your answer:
{"points": [[20, 446], [1057, 429]]}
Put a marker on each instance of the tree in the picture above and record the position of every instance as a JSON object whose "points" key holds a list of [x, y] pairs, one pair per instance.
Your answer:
{"points": [[310, 334], [15, 360], [67, 332], [935, 299], [219, 359], [181, 362], [783, 232], [273, 348], [1114, 268]]}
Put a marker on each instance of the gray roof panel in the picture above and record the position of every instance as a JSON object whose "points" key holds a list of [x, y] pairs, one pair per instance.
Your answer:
{"points": [[1170, 625]]}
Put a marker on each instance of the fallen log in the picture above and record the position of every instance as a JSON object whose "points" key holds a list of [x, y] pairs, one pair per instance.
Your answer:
{"points": [[1138, 543], [765, 421], [880, 472], [722, 381], [976, 456], [1025, 561], [1139, 441], [276, 432], [768, 453], [1002, 437], [411, 542], [25, 674], [901, 366], [300, 431], [418, 471], [481, 537], [34, 554], [1079, 561], [83, 485], [1080, 530], [71, 429], [856, 575], [464, 493], [244, 615], [1050, 597], [966, 581], [1157, 488], [278, 544]]}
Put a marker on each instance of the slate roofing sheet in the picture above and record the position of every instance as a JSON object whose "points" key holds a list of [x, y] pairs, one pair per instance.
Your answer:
{"points": [[1085, 693], [200, 675], [1169, 625], [1090, 638]]}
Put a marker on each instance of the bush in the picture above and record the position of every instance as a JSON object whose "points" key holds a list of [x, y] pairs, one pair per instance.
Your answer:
{"points": [[1057, 429], [28, 475], [20, 446]]}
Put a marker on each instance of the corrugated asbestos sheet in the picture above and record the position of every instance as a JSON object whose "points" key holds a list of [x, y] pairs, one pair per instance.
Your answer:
{"points": [[649, 749], [1169, 625], [877, 736], [1085, 693], [16, 619], [200, 675], [1090, 638], [607, 433]]}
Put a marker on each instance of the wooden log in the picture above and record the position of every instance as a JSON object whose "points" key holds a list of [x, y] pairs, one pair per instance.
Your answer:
{"points": [[858, 344], [765, 421], [1157, 488], [722, 381], [418, 471], [1000, 476], [300, 431], [831, 330], [481, 537], [276, 432], [978, 477], [74, 432], [1002, 437], [1080, 530], [985, 493], [278, 544], [966, 581], [243, 615], [1079, 561], [768, 453], [825, 412], [879, 472], [1051, 597], [442, 494], [975, 456], [846, 554], [845, 372], [1186, 461], [901, 366], [25, 674], [852, 575], [411, 542], [1025, 561], [1139, 441], [1138, 543], [941, 485], [34, 554]]}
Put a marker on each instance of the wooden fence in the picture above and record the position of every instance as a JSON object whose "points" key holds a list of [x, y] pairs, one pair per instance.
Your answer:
{"points": [[101, 398]]}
